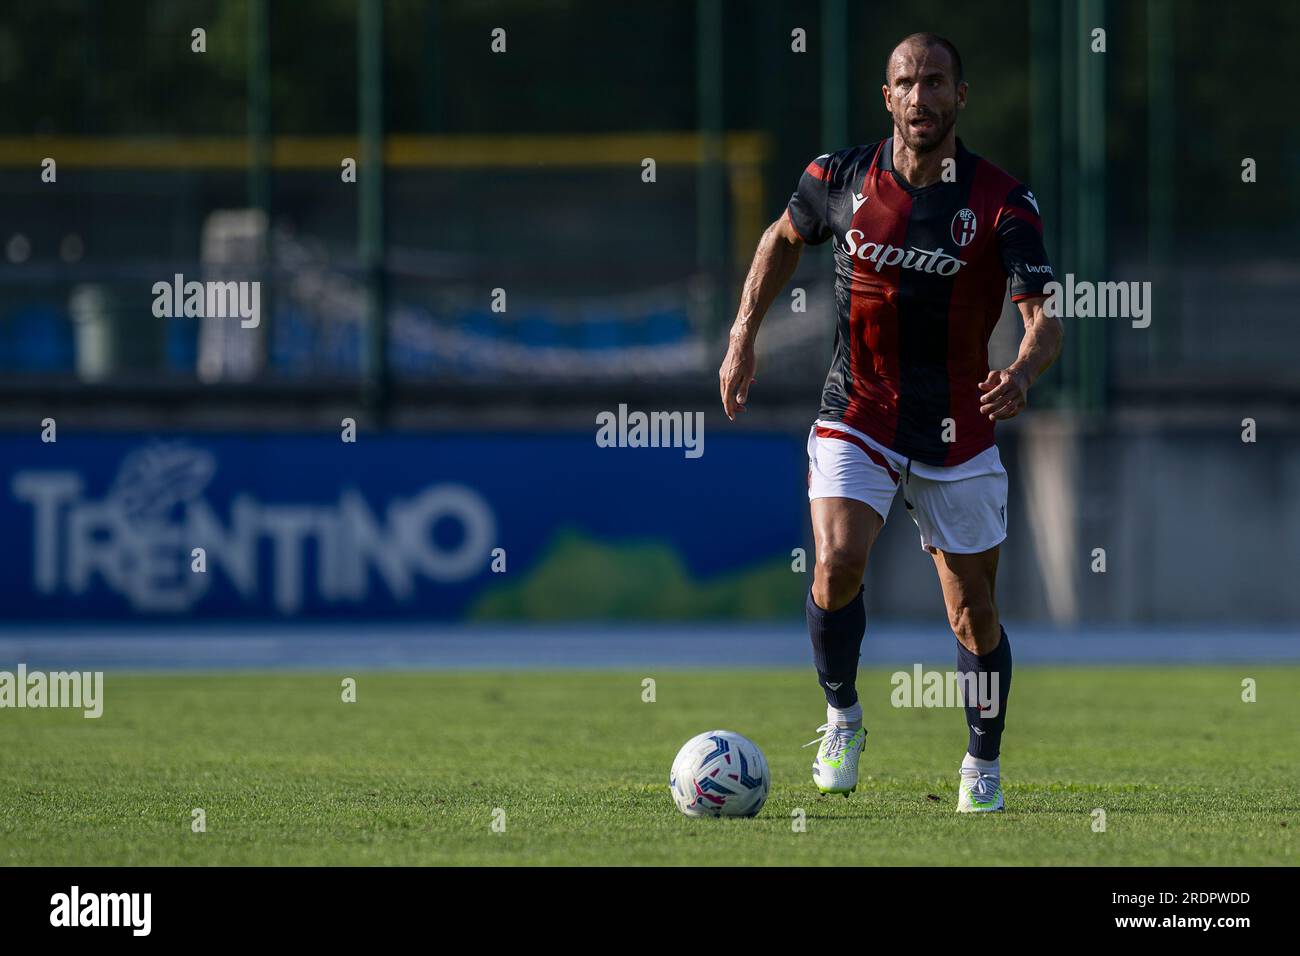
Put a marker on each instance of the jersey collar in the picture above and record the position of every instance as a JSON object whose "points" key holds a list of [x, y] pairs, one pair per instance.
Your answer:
{"points": [[887, 165]]}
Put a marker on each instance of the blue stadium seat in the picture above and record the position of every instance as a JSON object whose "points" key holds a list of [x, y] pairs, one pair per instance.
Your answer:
{"points": [[39, 339], [665, 327]]}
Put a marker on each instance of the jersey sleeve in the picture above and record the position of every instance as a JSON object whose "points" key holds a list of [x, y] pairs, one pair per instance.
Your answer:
{"points": [[808, 205], [1020, 241]]}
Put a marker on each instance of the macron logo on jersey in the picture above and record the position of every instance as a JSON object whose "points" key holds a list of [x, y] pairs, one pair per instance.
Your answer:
{"points": [[857, 202]]}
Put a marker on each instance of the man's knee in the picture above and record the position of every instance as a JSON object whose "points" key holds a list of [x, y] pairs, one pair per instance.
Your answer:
{"points": [[837, 576], [975, 625]]}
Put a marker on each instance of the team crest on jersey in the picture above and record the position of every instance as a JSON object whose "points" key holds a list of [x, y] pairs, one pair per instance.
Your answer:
{"points": [[963, 227]]}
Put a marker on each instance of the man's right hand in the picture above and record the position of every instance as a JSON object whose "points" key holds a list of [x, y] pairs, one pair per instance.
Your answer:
{"points": [[736, 375], [774, 263]]}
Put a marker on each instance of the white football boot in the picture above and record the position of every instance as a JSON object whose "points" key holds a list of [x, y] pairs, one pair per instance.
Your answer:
{"points": [[981, 789], [835, 769]]}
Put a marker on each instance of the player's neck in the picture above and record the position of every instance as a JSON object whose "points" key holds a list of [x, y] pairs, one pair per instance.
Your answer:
{"points": [[922, 169]]}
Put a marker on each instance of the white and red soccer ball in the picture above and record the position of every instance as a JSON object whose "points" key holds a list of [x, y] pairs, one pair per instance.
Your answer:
{"points": [[719, 774]]}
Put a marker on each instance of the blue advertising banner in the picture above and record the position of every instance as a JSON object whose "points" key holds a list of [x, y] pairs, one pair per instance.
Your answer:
{"points": [[483, 526]]}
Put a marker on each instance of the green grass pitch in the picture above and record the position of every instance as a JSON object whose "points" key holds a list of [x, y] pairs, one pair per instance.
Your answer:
{"points": [[414, 770]]}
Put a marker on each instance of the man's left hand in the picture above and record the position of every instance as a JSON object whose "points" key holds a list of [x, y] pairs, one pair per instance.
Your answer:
{"points": [[1004, 393]]}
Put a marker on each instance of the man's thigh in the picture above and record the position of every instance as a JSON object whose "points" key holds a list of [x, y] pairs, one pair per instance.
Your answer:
{"points": [[962, 525], [967, 579], [845, 527], [969, 583]]}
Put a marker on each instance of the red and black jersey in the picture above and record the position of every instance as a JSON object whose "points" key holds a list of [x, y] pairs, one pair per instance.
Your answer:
{"points": [[920, 277]]}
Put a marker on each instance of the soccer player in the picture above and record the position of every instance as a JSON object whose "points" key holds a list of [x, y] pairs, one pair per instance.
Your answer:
{"points": [[925, 235]]}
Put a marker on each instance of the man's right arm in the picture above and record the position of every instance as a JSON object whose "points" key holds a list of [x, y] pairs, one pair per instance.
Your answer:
{"points": [[774, 263]]}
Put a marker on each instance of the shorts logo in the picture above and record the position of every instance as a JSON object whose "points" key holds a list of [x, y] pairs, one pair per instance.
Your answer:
{"points": [[963, 227]]}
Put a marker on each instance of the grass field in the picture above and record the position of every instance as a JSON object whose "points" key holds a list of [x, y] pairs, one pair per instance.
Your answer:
{"points": [[411, 773]]}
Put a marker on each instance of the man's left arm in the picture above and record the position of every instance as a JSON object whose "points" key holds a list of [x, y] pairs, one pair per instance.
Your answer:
{"points": [[1019, 230], [1005, 392]]}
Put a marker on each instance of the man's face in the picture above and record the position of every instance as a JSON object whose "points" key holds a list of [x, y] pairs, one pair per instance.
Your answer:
{"points": [[922, 95]]}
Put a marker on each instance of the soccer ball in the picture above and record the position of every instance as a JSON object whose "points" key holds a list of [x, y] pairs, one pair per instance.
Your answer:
{"points": [[719, 774]]}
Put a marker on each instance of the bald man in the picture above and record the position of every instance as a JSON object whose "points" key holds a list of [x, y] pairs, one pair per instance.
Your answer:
{"points": [[926, 237]]}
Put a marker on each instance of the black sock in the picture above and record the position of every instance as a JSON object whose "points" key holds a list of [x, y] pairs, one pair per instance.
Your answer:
{"points": [[837, 642], [986, 731]]}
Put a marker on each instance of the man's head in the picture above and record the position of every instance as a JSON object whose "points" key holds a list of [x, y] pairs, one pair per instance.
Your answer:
{"points": [[924, 90]]}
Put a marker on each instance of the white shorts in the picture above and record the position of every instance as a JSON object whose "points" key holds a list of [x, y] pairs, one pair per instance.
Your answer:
{"points": [[961, 509]]}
